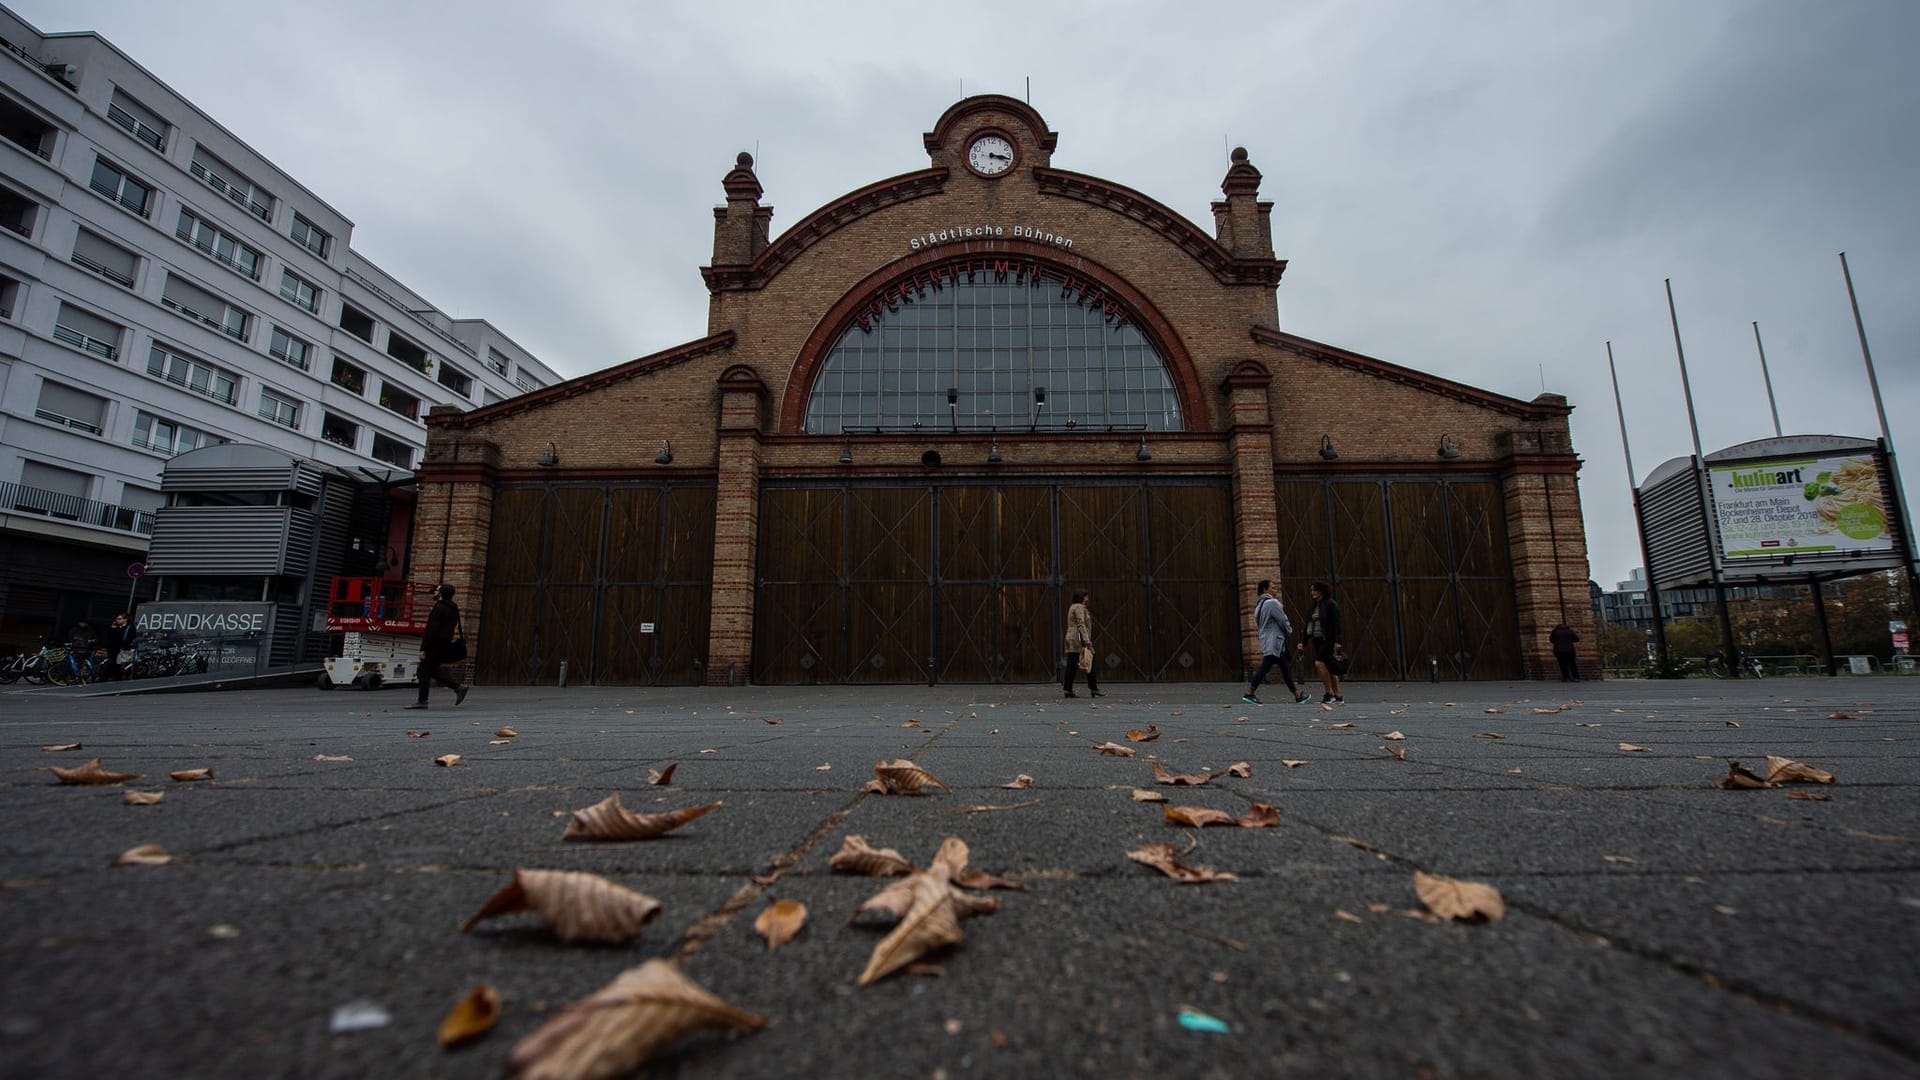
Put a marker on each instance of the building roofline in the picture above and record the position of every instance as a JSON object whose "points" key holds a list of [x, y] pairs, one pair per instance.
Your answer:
{"points": [[1543, 407], [452, 417]]}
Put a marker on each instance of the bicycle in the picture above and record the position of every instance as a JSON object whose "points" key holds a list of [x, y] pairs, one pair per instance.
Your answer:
{"points": [[1716, 665]]}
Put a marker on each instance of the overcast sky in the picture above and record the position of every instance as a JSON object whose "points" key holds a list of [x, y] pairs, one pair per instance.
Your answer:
{"points": [[1486, 191]]}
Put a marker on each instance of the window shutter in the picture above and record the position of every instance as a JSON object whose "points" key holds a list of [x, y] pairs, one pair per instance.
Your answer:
{"points": [[103, 254]]}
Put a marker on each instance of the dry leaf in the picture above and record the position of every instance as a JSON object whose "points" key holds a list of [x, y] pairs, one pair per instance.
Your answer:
{"points": [[1240, 769], [1115, 749], [1401, 711], [1348, 916], [1788, 771], [903, 777], [144, 855], [1491, 711], [90, 773], [608, 820], [856, 857], [1197, 816], [1550, 712], [780, 921], [1447, 704], [876, 786], [661, 777], [1488, 735], [1258, 816], [331, 757], [822, 768], [615, 1031], [498, 742], [1162, 776], [1378, 908], [506, 733], [773, 720], [420, 735], [1292, 763], [188, 775], [1142, 795], [980, 879], [1733, 723], [1805, 796], [988, 808], [1632, 749], [60, 747], [1019, 783], [1136, 735], [473, 1017], [1397, 751], [1451, 899], [579, 906], [1841, 716], [142, 798], [1619, 858], [1739, 778], [447, 760], [932, 921], [1326, 706], [1160, 856], [1393, 736], [1345, 725]]}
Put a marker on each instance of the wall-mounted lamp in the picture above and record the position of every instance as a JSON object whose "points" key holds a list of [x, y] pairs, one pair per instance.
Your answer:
{"points": [[1143, 454], [846, 452], [550, 456], [665, 456], [1448, 448], [1039, 402], [1327, 452], [930, 459], [993, 452], [953, 408]]}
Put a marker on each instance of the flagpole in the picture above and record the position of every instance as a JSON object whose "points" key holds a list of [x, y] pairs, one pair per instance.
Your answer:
{"points": [[1699, 480], [1640, 525], [1768, 379], [1899, 506]]}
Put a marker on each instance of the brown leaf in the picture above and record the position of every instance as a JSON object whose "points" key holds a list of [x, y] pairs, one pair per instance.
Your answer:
{"points": [[1632, 749], [1805, 796], [1397, 751], [661, 777], [1550, 712], [1733, 723], [1739, 778], [1345, 915], [931, 922], [144, 855], [1491, 711], [1197, 816], [1143, 795], [1326, 706], [61, 747], [1240, 769], [142, 798], [1488, 735], [608, 820], [616, 1030], [421, 735], [1115, 749], [579, 906], [1782, 770], [1293, 763], [506, 733], [1378, 908], [988, 808], [1393, 736], [331, 757], [903, 777], [856, 857], [773, 719], [823, 767], [1841, 716], [1160, 856], [877, 786], [1259, 816], [447, 760], [780, 921], [498, 742], [1452, 899], [187, 775], [1136, 735], [1162, 776], [473, 1017], [1019, 783], [980, 879], [90, 773], [1345, 725]]}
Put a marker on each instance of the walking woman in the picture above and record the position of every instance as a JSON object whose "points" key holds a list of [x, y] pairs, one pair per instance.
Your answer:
{"points": [[1271, 618], [1323, 637], [119, 642], [443, 643], [1079, 642]]}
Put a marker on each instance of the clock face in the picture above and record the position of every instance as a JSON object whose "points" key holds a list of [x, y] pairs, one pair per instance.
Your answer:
{"points": [[990, 155]]}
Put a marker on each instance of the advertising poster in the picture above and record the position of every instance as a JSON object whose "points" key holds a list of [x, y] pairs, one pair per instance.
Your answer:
{"points": [[222, 638], [1815, 505]]}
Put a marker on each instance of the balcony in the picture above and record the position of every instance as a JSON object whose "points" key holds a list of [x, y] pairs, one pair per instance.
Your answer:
{"points": [[235, 328], [103, 349], [18, 498], [105, 271], [137, 127]]}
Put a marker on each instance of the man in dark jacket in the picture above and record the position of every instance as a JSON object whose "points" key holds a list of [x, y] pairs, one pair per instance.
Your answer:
{"points": [[436, 646], [1564, 637]]}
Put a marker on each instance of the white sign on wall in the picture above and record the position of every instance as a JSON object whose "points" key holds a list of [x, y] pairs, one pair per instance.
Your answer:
{"points": [[1814, 505]]}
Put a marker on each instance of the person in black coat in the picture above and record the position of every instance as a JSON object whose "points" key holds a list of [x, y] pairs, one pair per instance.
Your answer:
{"points": [[119, 640], [436, 647], [1323, 637]]}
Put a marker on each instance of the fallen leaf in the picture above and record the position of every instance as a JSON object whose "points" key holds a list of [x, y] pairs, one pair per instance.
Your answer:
{"points": [[447, 760], [1196, 816], [1136, 735], [773, 720], [932, 921], [1378, 908], [1733, 723], [1550, 712], [980, 879], [1393, 736], [1804, 796], [1292, 763], [1788, 771], [1890, 838], [876, 786], [1397, 751], [144, 855], [1115, 749], [662, 777], [1162, 776], [579, 906], [608, 820], [620, 1026], [1452, 899], [142, 798], [822, 768], [418, 734], [1259, 816], [1423, 915], [709, 751], [1345, 725], [1739, 778], [1348, 916], [1160, 856], [1326, 706], [1142, 795], [1492, 711], [1619, 858], [223, 931], [1019, 783], [89, 773], [472, 1017], [60, 747], [189, 775], [331, 757], [903, 777], [506, 733], [1488, 735], [1841, 716], [1447, 704], [498, 742], [1240, 769], [857, 857], [780, 921], [1401, 711], [988, 808], [1632, 749]]}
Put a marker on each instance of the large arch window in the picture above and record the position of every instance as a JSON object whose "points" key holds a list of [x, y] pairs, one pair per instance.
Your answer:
{"points": [[992, 346]]}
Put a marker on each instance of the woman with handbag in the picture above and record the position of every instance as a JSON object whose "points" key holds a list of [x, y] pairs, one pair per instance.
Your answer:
{"points": [[1323, 637], [1079, 642], [445, 642], [119, 644]]}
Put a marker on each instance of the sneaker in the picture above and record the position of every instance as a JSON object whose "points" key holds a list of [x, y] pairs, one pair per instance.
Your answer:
{"points": [[1072, 694], [1250, 699], [1326, 699], [1300, 699], [460, 695], [1339, 701], [1096, 693], [418, 705]]}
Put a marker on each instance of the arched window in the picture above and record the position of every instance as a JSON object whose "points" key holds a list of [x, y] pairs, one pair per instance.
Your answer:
{"points": [[992, 346]]}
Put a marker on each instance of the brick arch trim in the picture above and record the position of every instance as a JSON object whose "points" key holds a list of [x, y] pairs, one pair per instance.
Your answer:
{"points": [[1096, 284]]}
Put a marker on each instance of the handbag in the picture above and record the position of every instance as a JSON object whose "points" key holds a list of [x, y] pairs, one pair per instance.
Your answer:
{"points": [[457, 648], [1086, 658], [123, 657], [1340, 662]]}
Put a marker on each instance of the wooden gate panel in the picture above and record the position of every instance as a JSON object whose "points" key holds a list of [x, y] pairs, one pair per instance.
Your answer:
{"points": [[1030, 632], [1101, 546], [506, 644], [573, 537], [969, 633], [1366, 615], [889, 638], [1489, 625], [633, 534], [798, 636], [519, 529], [969, 533], [802, 534], [1432, 627], [1420, 524], [1025, 524], [627, 654], [566, 628], [1194, 606]]}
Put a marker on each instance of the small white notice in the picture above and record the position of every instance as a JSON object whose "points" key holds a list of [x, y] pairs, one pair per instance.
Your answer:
{"points": [[646, 628]]}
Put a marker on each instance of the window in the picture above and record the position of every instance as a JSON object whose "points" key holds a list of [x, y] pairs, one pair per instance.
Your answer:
{"points": [[17, 212], [309, 236], [168, 437], [197, 303], [10, 291], [227, 180], [356, 322], [218, 245], [349, 376], [279, 408], [993, 339], [193, 374], [141, 122], [340, 431], [392, 451], [493, 398], [497, 360], [53, 491], [87, 332], [289, 349], [454, 379], [407, 352], [299, 290], [26, 129], [110, 181], [63, 405], [395, 400], [525, 381], [136, 509], [108, 260]]}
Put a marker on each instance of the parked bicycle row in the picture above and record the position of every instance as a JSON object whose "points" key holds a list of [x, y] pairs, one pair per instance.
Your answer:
{"points": [[85, 657]]}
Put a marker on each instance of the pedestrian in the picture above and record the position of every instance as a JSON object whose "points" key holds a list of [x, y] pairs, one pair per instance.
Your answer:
{"points": [[445, 642], [1563, 638], [1079, 642], [1323, 637], [1270, 617], [80, 645], [119, 643]]}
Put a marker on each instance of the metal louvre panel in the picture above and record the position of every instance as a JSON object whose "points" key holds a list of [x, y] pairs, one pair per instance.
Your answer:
{"points": [[175, 478], [299, 543], [221, 540], [1675, 527]]}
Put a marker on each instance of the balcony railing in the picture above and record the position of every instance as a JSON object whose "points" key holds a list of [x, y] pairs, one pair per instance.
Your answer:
{"points": [[229, 330], [421, 315], [138, 127], [237, 192], [63, 507], [64, 420], [103, 270], [36, 146], [78, 340]]}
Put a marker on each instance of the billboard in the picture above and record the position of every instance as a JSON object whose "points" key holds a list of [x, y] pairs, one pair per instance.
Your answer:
{"points": [[1811, 504], [223, 638]]}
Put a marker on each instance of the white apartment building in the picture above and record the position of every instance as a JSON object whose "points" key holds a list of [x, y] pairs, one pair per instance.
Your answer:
{"points": [[163, 286]]}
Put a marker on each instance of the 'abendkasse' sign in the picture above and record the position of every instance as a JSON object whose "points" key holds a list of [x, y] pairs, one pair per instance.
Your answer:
{"points": [[1801, 506]]}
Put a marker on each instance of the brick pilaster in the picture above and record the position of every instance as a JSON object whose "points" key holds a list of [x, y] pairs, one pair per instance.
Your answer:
{"points": [[1546, 541], [1256, 518], [736, 527], [453, 521]]}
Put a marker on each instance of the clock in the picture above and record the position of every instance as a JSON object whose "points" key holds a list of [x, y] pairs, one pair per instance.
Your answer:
{"points": [[990, 155]]}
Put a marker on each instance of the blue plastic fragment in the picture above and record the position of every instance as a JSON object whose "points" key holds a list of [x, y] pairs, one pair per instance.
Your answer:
{"points": [[1195, 1020]]}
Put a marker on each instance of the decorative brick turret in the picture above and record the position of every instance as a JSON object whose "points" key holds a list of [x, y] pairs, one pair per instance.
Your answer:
{"points": [[1243, 223], [740, 228]]}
